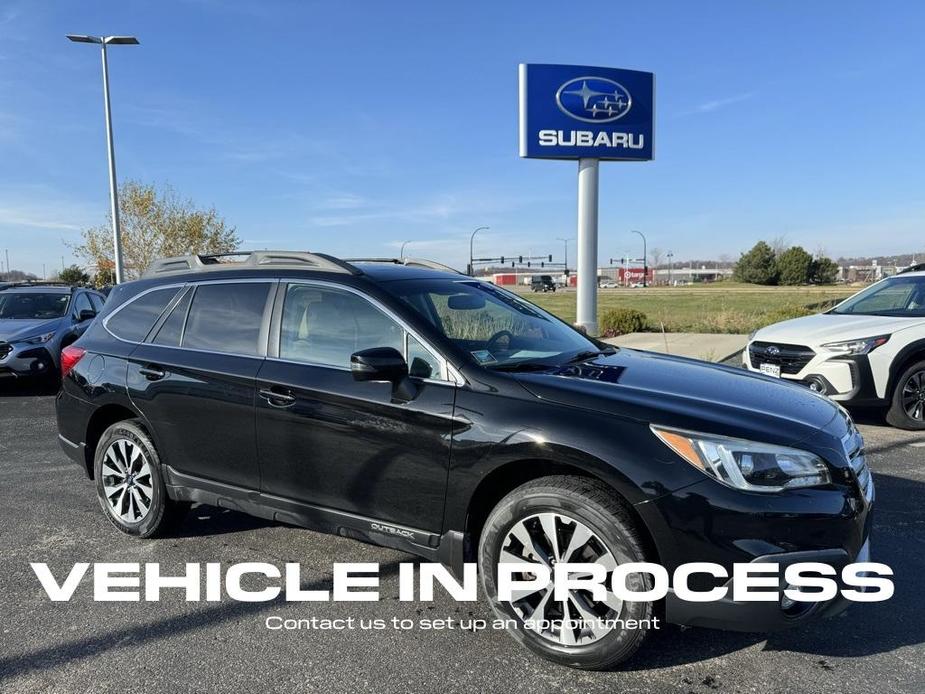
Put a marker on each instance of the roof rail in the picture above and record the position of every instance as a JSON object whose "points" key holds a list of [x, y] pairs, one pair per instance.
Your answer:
{"points": [[36, 283], [918, 267], [297, 260], [414, 262]]}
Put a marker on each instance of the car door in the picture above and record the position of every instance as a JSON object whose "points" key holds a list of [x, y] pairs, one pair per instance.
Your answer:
{"points": [[327, 440], [194, 379]]}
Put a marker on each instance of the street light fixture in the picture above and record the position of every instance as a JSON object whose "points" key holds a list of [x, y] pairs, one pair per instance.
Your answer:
{"points": [[471, 239], [645, 260], [401, 253], [670, 256], [104, 41]]}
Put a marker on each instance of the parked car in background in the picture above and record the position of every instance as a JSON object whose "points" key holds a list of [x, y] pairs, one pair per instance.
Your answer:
{"points": [[869, 350], [542, 283], [608, 284], [401, 403], [37, 321]]}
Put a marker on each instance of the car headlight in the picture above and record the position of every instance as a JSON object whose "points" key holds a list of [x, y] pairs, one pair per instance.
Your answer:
{"points": [[37, 339], [862, 346], [748, 465]]}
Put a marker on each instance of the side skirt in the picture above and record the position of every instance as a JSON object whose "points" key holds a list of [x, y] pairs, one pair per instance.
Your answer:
{"points": [[446, 548]]}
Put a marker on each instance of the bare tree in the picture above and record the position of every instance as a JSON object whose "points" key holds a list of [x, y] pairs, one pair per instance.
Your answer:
{"points": [[779, 244], [656, 255]]}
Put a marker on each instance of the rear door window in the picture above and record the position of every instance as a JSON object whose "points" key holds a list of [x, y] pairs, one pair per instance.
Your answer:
{"points": [[226, 317], [133, 321]]}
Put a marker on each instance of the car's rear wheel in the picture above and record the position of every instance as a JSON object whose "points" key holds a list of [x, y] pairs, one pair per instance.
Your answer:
{"points": [[129, 484], [907, 411], [575, 520]]}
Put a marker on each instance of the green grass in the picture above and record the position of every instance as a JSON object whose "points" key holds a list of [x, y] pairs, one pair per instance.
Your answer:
{"points": [[722, 307]]}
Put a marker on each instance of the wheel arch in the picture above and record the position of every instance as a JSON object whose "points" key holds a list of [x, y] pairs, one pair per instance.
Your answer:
{"points": [[508, 476], [100, 421], [908, 355]]}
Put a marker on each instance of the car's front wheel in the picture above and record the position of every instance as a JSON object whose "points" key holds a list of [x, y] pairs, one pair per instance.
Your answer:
{"points": [[574, 520], [129, 484], [907, 410]]}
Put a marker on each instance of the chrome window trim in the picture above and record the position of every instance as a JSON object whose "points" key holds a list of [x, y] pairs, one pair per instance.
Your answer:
{"points": [[193, 285], [176, 285], [453, 377]]}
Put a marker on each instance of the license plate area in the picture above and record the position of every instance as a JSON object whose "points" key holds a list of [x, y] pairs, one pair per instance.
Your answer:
{"points": [[770, 370]]}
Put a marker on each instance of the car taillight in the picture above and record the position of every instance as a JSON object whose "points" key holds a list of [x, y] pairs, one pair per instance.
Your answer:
{"points": [[70, 355]]}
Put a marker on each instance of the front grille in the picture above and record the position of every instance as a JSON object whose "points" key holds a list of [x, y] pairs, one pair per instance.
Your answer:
{"points": [[5, 349], [853, 443], [790, 358]]}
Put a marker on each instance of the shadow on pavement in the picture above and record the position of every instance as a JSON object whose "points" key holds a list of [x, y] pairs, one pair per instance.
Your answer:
{"points": [[28, 388], [62, 654], [204, 521]]}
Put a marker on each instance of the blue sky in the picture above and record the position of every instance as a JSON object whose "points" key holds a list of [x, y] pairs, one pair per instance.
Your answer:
{"points": [[351, 127]]}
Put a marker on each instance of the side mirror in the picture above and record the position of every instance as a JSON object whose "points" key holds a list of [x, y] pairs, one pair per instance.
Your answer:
{"points": [[86, 314], [384, 364], [378, 364]]}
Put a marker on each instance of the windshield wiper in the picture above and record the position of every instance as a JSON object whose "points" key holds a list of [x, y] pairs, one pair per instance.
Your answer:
{"points": [[525, 365], [587, 354]]}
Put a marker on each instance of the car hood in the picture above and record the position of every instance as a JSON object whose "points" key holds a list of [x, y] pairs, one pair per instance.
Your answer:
{"points": [[17, 329], [688, 394], [832, 327]]}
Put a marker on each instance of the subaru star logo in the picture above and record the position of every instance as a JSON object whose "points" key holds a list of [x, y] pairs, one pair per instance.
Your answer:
{"points": [[594, 99], [773, 350]]}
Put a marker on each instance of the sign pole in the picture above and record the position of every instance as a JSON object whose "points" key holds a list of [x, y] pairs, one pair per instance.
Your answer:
{"points": [[587, 245]]}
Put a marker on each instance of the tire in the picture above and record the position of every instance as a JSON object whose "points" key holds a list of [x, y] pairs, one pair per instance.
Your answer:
{"points": [[573, 502], [126, 450], [907, 409]]}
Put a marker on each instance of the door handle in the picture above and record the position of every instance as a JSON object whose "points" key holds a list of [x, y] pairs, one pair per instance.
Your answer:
{"points": [[276, 398], [152, 373]]}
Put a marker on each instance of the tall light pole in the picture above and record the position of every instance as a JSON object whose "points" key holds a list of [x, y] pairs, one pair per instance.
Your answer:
{"points": [[645, 260], [471, 240], [670, 256], [104, 41], [401, 253]]}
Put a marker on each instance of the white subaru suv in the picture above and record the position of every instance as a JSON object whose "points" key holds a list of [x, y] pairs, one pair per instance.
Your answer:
{"points": [[867, 351]]}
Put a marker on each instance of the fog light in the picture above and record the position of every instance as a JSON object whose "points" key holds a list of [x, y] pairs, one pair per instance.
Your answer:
{"points": [[793, 608], [817, 385]]}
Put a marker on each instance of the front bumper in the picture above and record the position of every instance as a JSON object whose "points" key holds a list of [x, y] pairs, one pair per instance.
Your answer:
{"points": [[26, 361], [845, 379], [764, 616]]}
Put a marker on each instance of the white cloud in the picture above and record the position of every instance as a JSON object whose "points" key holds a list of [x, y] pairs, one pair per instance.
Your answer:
{"points": [[716, 104]]}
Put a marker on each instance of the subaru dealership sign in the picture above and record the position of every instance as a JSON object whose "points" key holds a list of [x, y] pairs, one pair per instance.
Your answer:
{"points": [[577, 112]]}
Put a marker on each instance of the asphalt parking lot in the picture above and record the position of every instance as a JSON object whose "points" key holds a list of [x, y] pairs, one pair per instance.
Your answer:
{"points": [[49, 513]]}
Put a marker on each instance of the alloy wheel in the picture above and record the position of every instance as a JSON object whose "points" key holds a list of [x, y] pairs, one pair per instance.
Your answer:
{"points": [[547, 539], [913, 396], [127, 481]]}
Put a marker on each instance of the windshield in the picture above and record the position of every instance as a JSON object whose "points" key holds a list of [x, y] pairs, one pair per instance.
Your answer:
{"points": [[898, 296], [495, 327], [33, 305]]}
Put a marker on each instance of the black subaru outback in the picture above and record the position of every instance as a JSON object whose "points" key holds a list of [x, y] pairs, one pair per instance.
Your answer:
{"points": [[401, 403]]}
